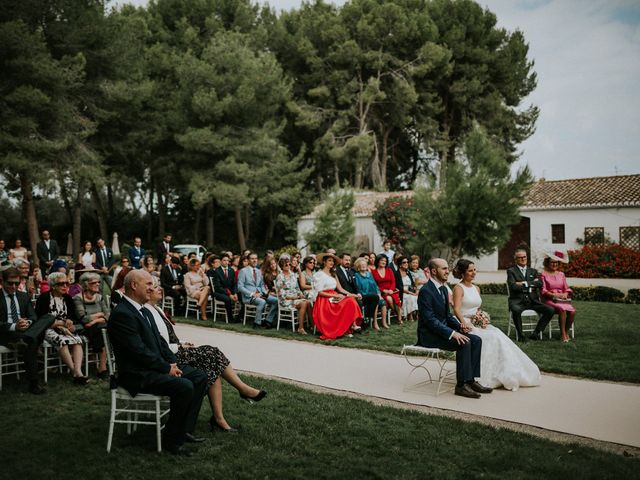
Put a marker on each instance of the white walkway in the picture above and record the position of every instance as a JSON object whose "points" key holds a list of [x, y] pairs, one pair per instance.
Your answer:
{"points": [[603, 411]]}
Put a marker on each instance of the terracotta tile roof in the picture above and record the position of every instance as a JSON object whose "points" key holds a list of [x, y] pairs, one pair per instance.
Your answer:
{"points": [[594, 192]]}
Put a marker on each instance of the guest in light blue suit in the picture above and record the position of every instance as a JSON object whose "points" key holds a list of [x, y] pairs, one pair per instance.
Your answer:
{"points": [[254, 292]]}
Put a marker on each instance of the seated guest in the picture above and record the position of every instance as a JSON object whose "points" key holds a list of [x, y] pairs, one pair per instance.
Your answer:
{"points": [[4, 255], [93, 312], [18, 252], [254, 292], [104, 262], [223, 281], [149, 265], [213, 263], [75, 288], [556, 293], [117, 292], [20, 328], [147, 365], [269, 273], [184, 265], [124, 263], [289, 294], [410, 302], [26, 284], [59, 265], [418, 275], [386, 281], [305, 278], [345, 274], [136, 253], [335, 311], [207, 359], [372, 261], [235, 263], [371, 296], [438, 328], [63, 332], [172, 281], [524, 285], [244, 262], [86, 257], [295, 264], [196, 284]]}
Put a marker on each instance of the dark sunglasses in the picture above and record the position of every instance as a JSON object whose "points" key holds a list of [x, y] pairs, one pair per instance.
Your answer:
{"points": [[15, 284], [62, 284]]}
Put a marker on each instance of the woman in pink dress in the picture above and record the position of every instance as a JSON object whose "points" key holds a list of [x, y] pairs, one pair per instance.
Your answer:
{"points": [[556, 292]]}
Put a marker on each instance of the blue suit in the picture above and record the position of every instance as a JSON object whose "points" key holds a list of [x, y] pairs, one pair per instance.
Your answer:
{"points": [[135, 256], [247, 287], [435, 327]]}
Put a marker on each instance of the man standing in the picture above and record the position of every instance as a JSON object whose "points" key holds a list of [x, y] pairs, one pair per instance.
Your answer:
{"points": [[254, 292], [172, 281], [104, 261], [164, 247], [438, 328], [223, 279], [136, 253], [19, 326], [346, 275], [524, 294], [147, 365], [47, 251]]}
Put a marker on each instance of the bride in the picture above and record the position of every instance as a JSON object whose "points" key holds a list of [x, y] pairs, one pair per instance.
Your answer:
{"points": [[502, 362]]}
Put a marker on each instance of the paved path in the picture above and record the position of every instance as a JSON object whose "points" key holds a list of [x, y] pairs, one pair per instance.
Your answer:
{"points": [[622, 284], [600, 410]]}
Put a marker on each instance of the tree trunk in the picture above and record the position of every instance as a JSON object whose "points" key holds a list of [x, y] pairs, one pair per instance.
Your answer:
{"points": [[246, 223], [359, 176], [239, 229], [162, 212], [77, 224], [270, 228], [384, 159], [196, 226], [336, 173], [319, 180], [110, 207], [209, 223], [150, 214], [100, 212], [29, 212]]}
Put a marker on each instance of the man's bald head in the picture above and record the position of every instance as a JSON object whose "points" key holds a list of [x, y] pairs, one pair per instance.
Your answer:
{"points": [[138, 285], [439, 269]]}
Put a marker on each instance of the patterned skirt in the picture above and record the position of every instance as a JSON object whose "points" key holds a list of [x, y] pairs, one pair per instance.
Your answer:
{"points": [[206, 358], [59, 339]]}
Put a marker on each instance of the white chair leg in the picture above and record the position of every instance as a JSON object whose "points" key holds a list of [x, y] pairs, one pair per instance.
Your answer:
{"points": [[158, 426], [112, 422]]}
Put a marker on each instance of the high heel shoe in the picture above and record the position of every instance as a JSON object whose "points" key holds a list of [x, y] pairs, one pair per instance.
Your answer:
{"points": [[261, 394], [213, 425]]}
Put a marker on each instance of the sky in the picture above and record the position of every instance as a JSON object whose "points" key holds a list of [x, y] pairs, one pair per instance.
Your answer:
{"points": [[587, 59]]}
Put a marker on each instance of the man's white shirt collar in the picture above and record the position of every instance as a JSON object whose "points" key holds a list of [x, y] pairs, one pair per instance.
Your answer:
{"points": [[133, 302]]}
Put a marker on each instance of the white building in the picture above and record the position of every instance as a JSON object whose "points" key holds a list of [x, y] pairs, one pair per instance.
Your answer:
{"points": [[558, 214]]}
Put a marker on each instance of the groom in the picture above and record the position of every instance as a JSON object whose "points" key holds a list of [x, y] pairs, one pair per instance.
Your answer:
{"points": [[438, 328]]}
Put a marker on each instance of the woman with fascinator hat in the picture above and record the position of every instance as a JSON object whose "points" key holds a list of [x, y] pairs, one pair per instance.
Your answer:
{"points": [[556, 293], [335, 311]]}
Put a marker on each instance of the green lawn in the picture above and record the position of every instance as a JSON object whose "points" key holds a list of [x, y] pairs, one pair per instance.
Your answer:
{"points": [[293, 433], [606, 347]]}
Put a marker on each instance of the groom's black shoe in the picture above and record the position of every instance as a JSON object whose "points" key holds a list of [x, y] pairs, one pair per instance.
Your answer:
{"points": [[476, 387], [466, 391], [534, 336]]}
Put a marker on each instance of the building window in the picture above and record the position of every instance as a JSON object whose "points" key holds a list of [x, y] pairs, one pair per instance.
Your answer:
{"points": [[557, 233], [630, 237], [594, 236]]}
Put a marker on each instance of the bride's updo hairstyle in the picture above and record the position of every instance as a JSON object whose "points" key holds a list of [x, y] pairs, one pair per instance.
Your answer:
{"points": [[461, 267]]}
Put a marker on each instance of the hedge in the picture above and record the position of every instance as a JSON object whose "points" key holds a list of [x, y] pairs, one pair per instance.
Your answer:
{"points": [[587, 294]]}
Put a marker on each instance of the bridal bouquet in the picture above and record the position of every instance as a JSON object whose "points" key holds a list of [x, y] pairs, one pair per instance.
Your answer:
{"points": [[481, 319]]}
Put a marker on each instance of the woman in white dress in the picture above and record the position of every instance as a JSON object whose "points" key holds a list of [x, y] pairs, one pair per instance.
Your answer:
{"points": [[502, 362], [410, 297], [87, 258]]}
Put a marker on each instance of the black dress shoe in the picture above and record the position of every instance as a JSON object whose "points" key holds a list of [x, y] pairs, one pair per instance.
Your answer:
{"points": [[534, 336], [522, 339], [81, 380], [180, 450], [266, 326], [465, 391], [213, 425], [191, 438], [476, 387], [36, 388], [259, 396]]}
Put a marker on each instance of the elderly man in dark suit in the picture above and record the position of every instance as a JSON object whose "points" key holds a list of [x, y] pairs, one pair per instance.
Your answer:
{"points": [[47, 250], [524, 294], [438, 328], [223, 283], [147, 365], [19, 326], [346, 275]]}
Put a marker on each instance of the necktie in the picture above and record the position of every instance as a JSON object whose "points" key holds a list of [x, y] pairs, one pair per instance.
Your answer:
{"points": [[104, 257], [255, 277], [226, 274], [173, 272], [148, 317], [445, 296], [14, 309]]}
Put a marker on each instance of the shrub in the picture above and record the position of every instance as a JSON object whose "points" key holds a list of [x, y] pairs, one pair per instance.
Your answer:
{"points": [[391, 218], [603, 261], [493, 288], [633, 296]]}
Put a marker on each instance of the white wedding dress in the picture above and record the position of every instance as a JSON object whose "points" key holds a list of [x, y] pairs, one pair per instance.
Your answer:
{"points": [[502, 363]]}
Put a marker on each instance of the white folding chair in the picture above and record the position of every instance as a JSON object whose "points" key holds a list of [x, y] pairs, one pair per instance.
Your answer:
{"points": [[51, 361], [529, 319], [219, 309], [10, 363], [168, 304], [287, 315], [417, 357], [127, 409], [192, 306]]}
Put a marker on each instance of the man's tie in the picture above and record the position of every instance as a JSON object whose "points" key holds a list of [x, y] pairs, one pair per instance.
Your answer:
{"points": [[14, 309], [445, 296], [174, 274], [104, 257], [226, 273], [152, 324], [255, 277]]}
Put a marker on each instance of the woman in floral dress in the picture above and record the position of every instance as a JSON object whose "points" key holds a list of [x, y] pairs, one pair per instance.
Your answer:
{"points": [[289, 293]]}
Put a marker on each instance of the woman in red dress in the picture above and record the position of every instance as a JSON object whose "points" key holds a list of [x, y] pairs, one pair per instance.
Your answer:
{"points": [[386, 281], [335, 311]]}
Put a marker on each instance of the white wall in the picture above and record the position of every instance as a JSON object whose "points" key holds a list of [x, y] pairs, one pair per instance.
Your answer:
{"points": [[364, 226]]}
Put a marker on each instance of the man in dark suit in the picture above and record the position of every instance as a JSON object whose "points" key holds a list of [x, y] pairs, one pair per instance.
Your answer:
{"points": [[524, 294], [104, 261], [136, 253], [172, 281], [438, 328], [164, 247], [346, 275], [147, 365], [223, 281], [47, 251], [19, 326]]}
